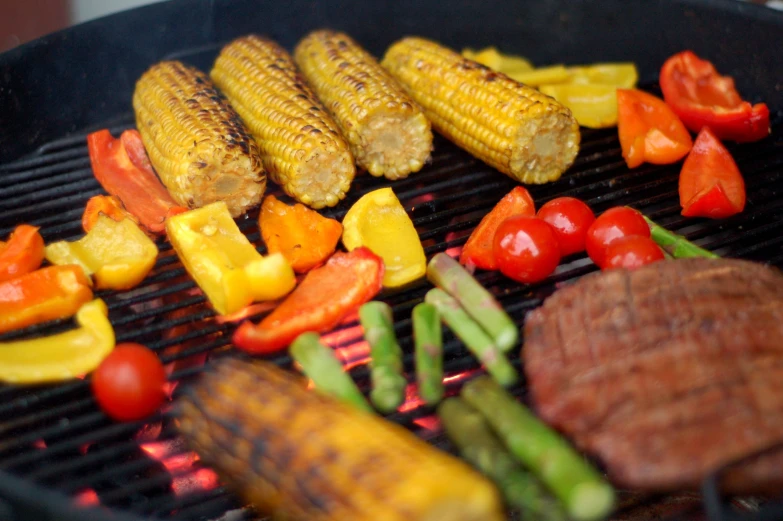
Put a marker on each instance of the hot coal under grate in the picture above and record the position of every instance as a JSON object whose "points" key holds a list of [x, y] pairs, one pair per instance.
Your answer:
{"points": [[55, 437]]}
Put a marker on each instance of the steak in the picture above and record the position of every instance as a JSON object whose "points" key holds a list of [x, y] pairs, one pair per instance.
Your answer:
{"points": [[666, 373]]}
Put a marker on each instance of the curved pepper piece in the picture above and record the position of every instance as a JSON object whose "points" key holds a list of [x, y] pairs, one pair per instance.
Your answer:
{"points": [[61, 356], [108, 205], [223, 262], [304, 237], [23, 253], [46, 294], [118, 254], [322, 300], [593, 105]]}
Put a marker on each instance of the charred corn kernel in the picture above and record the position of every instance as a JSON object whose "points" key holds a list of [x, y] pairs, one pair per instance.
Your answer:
{"points": [[512, 127], [198, 145], [301, 455], [223, 262], [388, 134], [301, 146]]}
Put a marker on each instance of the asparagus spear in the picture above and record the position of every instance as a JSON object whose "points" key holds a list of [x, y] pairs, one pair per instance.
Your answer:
{"points": [[388, 383], [429, 352], [478, 445], [325, 370], [446, 273], [676, 245], [585, 494], [476, 340]]}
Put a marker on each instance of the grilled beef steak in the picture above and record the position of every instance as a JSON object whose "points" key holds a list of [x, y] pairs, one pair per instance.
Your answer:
{"points": [[666, 372]]}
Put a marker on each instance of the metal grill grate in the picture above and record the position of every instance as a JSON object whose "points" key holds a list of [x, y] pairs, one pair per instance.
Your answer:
{"points": [[55, 436]]}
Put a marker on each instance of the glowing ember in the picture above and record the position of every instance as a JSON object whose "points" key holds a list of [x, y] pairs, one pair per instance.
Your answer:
{"points": [[87, 498], [201, 480], [456, 250], [431, 423], [242, 314], [180, 464], [459, 376], [354, 355], [412, 399], [339, 337], [157, 449], [39, 444]]}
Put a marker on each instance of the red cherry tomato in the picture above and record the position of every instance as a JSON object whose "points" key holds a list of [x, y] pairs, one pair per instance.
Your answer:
{"points": [[526, 249], [631, 252], [128, 384], [570, 218], [612, 224]]}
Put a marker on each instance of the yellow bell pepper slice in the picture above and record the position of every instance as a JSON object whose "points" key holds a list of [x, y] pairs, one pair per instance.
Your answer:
{"points": [[593, 106], [379, 222], [493, 59], [622, 74], [224, 264], [542, 76], [117, 253], [61, 356]]}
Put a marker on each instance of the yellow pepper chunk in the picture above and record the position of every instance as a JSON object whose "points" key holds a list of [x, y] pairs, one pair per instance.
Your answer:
{"points": [[593, 106], [224, 264], [493, 59], [118, 254], [622, 74], [542, 76], [379, 222], [61, 356]]}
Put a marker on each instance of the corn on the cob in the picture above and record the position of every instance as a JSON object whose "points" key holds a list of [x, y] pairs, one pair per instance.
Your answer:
{"points": [[195, 140], [300, 143], [508, 125], [387, 131], [300, 455]]}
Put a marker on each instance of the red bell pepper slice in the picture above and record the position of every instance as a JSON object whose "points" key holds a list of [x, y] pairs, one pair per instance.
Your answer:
{"points": [[703, 98], [478, 249], [325, 296], [23, 253], [649, 130], [123, 169], [710, 182]]}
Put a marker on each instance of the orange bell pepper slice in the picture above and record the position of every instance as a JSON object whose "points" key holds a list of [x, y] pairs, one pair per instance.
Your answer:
{"points": [[122, 167], [478, 250], [108, 205], [650, 132], [710, 182], [46, 294], [325, 296], [303, 236], [23, 253]]}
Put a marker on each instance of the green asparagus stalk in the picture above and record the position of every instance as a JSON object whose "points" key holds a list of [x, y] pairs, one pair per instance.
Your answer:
{"points": [[479, 446], [427, 333], [325, 370], [448, 274], [388, 382], [474, 338], [676, 245], [582, 490]]}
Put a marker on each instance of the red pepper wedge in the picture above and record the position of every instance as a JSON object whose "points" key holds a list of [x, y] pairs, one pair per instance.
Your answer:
{"points": [[325, 296], [478, 249], [650, 132], [702, 98], [123, 169], [710, 182], [23, 253]]}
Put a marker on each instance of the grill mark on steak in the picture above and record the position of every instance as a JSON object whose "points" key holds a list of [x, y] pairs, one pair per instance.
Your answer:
{"points": [[665, 372]]}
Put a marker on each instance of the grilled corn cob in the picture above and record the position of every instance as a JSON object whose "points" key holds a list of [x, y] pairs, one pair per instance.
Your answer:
{"points": [[388, 134], [300, 143], [508, 125], [300, 455], [196, 142]]}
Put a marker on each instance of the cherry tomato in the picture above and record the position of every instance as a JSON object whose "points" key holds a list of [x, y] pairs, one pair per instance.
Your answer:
{"points": [[570, 219], [526, 249], [631, 252], [612, 224], [128, 384]]}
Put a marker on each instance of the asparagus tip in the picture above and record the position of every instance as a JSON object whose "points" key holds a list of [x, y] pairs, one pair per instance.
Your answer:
{"points": [[591, 501]]}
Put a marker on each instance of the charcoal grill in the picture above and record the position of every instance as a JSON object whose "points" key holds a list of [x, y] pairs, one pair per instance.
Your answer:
{"points": [[60, 456]]}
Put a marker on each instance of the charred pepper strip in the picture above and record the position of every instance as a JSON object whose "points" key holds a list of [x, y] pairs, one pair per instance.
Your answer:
{"points": [[585, 494], [325, 296], [303, 456], [325, 370], [428, 334], [479, 446], [676, 245], [448, 274], [23, 252], [475, 339], [46, 294], [388, 382]]}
